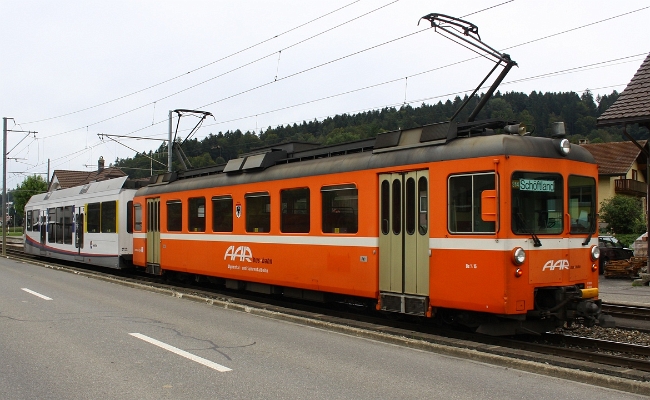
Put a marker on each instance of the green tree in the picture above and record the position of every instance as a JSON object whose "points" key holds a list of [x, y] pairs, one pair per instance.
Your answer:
{"points": [[501, 109], [623, 214], [32, 185]]}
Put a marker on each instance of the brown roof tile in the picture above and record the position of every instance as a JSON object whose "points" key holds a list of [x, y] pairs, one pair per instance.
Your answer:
{"points": [[68, 179], [614, 158], [633, 105]]}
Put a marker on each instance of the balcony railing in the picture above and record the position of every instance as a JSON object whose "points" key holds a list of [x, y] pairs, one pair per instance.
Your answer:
{"points": [[630, 187]]}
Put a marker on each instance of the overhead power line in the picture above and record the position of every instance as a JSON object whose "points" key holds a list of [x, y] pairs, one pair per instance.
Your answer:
{"points": [[420, 73], [601, 64], [224, 73], [201, 67], [521, 44]]}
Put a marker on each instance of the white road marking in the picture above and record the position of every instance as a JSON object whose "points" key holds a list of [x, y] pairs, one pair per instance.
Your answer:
{"points": [[182, 353], [36, 294]]}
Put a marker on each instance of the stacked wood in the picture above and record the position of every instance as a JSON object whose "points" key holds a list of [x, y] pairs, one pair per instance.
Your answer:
{"points": [[625, 268]]}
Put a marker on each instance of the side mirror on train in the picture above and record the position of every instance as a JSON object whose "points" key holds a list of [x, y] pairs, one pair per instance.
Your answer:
{"points": [[489, 205]]}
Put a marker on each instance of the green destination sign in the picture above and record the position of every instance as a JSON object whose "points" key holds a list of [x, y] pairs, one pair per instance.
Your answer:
{"points": [[534, 185]]}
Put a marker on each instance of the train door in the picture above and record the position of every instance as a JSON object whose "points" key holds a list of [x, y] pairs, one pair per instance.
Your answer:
{"points": [[79, 232], [153, 236], [404, 242], [43, 228]]}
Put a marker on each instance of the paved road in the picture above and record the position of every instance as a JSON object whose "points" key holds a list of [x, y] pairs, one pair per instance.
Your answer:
{"points": [[620, 290], [67, 336]]}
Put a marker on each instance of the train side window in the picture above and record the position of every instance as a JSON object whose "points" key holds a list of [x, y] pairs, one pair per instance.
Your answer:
{"points": [[36, 223], [79, 237], [582, 204], [340, 207], [222, 214], [258, 212], [174, 216], [137, 217], [385, 207], [196, 214], [67, 224], [93, 211], [59, 225], [129, 216], [423, 222], [295, 210], [464, 203], [28, 220], [397, 206], [51, 223], [109, 217], [410, 204]]}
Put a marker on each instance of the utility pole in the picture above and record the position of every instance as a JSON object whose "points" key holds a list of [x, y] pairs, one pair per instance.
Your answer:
{"points": [[4, 186], [4, 182]]}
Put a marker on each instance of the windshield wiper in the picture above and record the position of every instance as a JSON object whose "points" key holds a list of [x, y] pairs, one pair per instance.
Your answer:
{"points": [[591, 231], [536, 241]]}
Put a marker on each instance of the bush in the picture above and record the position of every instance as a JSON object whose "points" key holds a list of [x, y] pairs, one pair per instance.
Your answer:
{"points": [[627, 240], [623, 214]]}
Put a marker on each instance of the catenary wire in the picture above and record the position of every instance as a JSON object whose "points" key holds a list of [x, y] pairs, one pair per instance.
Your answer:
{"points": [[201, 67], [521, 44], [222, 74]]}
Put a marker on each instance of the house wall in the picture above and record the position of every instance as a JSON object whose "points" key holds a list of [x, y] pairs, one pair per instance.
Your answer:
{"points": [[607, 186]]}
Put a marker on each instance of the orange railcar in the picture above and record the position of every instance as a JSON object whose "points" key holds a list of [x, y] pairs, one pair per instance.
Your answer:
{"points": [[490, 230]]}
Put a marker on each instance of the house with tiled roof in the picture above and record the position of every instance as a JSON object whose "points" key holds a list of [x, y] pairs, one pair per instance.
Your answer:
{"points": [[621, 168], [63, 179], [633, 107]]}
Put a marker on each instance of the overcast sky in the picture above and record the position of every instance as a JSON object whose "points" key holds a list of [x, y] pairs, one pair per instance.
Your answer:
{"points": [[74, 69]]}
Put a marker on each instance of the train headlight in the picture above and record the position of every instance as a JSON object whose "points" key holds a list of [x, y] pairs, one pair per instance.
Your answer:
{"points": [[565, 147], [518, 256], [595, 253]]}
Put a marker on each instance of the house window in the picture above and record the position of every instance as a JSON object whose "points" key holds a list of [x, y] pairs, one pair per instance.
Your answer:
{"points": [[635, 176]]}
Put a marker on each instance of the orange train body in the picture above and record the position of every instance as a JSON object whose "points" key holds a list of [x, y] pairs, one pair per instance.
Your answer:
{"points": [[460, 257]]}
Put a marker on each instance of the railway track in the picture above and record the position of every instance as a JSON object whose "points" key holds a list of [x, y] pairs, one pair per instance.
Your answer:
{"points": [[627, 312], [624, 355], [554, 349]]}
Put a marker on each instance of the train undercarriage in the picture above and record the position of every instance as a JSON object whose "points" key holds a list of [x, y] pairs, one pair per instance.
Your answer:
{"points": [[554, 307]]}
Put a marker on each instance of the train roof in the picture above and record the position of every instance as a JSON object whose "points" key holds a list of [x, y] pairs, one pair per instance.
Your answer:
{"points": [[106, 187], [430, 143]]}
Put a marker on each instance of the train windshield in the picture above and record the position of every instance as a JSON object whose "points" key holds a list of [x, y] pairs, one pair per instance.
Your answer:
{"points": [[582, 204], [537, 203]]}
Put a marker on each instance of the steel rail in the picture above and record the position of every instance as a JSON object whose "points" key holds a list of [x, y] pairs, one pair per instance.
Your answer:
{"points": [[627, 312]]}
